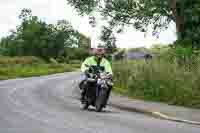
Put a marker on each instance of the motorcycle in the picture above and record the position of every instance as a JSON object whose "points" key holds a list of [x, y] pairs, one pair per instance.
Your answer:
{"points": [[99, 83]]}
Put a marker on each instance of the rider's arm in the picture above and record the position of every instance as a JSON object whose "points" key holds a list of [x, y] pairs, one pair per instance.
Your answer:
{"points": [[83, 66], [108, 67]]}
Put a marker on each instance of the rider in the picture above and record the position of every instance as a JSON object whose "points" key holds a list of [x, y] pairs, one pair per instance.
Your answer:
{"points": [[97, 59]]}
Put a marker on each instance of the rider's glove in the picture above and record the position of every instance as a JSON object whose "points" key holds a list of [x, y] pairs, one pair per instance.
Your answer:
{"points": [[88, 74], [110, 76]]}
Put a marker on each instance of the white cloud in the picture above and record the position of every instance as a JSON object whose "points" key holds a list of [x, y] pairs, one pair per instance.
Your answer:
{"points": [[53, 10]]}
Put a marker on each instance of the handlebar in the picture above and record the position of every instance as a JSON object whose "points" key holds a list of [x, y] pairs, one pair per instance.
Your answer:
{"points": [[97, 73]]}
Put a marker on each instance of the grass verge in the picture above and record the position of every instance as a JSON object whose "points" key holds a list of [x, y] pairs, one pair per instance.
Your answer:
{"points": [[14, 71], [158, 80], [13, 67]]}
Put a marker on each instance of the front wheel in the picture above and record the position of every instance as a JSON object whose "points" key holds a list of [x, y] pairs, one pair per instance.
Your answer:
{"points": [[85, 106], [100, 101]]}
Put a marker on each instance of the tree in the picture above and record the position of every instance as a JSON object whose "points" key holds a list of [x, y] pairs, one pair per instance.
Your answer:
{"points": [[84, 42], [109, 39], [34, 37], [143, 14]]}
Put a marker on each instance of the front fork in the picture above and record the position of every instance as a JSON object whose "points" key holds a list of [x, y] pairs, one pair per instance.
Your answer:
{"points": [[98, 89]]}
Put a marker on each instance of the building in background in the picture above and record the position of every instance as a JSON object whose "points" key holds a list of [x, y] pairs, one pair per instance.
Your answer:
{"points": [[132, 54]]}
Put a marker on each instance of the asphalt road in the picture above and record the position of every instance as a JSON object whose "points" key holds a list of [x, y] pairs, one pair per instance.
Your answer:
{"points": [[49, 105]]}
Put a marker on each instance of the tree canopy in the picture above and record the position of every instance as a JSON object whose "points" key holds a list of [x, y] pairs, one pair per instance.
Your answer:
{"points": [[143, 14], [34, 37]]}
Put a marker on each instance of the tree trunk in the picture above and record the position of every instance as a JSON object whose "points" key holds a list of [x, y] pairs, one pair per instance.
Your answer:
{"points": [[178, 18]]}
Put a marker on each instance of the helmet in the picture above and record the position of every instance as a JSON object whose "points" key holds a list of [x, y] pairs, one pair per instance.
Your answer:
{"points": [[98, 51]]}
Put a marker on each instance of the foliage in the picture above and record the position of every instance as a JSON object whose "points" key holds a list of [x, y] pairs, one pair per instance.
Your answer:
{"points": [[159, 80], [34, 37], [4, 60], [19, 70], [191, 22], [76, 53], [172, 76], [140, 13], [109, 40], [143, 14], [13, 67], [182, 53], [84, 42]]}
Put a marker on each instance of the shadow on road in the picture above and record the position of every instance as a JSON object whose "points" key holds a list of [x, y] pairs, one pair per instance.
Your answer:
{"points": [[105, 111]]}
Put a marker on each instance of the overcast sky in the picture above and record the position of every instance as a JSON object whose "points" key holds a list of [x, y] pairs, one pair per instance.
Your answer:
{"points": [[53, 10]]}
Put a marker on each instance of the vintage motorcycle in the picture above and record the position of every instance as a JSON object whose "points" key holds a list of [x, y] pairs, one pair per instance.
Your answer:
{"points": [[99, 84]]}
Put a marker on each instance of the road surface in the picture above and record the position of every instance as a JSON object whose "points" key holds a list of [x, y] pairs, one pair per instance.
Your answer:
{"points": [[49, 104]]}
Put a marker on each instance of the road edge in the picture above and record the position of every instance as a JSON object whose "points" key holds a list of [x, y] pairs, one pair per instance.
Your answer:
{"points": [[152, 113]]}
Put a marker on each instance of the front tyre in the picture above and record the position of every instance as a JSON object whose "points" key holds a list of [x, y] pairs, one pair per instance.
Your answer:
{"points": [[100, 101], [85, 105]]}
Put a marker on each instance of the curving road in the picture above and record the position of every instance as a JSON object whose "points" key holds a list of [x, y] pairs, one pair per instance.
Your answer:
{"points": [[49, 104]]}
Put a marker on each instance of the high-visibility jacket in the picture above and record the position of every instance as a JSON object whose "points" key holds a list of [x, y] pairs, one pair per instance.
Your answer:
{"points": [[92, 61]]}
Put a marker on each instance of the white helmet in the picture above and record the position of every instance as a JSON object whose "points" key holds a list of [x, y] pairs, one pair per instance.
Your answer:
{"points": [[98, 51]]}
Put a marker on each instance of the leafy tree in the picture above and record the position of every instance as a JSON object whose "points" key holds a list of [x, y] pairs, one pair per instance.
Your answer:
{"points": [[109, 39], [34, 37], [84, 42], [147, 13]]}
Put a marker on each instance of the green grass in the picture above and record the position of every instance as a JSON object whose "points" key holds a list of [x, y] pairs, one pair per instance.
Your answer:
{"points": [[159, 80], [14, 67], [14, 71], [24, 60]]}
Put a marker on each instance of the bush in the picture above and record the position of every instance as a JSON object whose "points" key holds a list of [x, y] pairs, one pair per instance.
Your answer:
{"points": [[76, 53]]}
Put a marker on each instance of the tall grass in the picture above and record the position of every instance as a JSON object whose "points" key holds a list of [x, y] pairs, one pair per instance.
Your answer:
{"points": [[13, 67], [159, 80], [5, 60]]}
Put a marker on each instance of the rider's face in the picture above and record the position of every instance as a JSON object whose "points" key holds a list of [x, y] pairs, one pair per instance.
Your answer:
{"points": [[99, 56]]}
